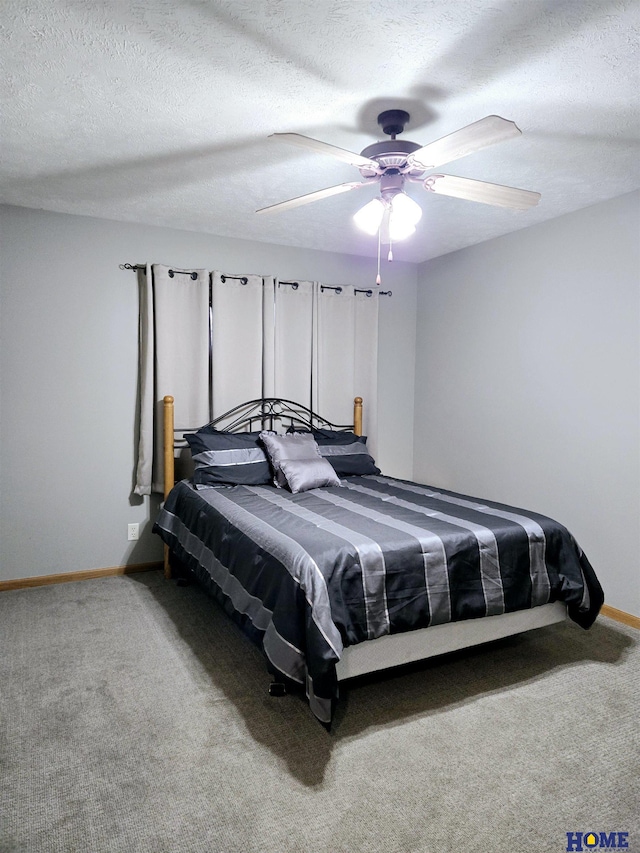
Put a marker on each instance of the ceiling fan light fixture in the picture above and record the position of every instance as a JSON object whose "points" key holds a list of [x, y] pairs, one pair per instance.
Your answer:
{"points": [[404, 215], [369, 217]]}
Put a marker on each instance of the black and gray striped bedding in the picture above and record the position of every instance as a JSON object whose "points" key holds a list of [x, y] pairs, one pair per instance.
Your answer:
{"points": [[310, 573]]}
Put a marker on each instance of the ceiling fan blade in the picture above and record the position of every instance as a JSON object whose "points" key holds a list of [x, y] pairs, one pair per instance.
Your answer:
{"points": [[316, 196], [482, 191], [325, 148], [465, 141]]}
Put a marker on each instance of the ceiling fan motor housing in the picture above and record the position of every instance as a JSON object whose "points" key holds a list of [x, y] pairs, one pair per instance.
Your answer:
{"points": [[390, 154]]}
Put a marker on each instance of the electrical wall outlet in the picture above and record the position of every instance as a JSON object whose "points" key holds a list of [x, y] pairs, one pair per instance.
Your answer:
{"points": [[133, 532]]}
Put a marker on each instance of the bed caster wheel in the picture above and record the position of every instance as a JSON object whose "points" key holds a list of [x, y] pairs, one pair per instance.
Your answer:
{"points": [[277, 688]]}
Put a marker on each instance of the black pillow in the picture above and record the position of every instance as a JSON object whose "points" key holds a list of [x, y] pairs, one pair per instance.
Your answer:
{"points": [[228, 458], [346, 451]]}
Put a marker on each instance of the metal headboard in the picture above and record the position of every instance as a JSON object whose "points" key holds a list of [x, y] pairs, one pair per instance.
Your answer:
{"points": [[271, 412], [264, 413]]}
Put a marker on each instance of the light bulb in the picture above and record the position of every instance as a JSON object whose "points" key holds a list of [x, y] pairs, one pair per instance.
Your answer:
{"points": [[399, 230], [369, 217], [404, 215], [405, 209]]}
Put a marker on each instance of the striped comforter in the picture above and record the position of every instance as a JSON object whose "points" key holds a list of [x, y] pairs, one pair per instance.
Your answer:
{"points": [[311, 573]]}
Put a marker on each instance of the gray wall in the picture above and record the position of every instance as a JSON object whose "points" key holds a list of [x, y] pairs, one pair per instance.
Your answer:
{"points": [[68, 377], [528, 379]]}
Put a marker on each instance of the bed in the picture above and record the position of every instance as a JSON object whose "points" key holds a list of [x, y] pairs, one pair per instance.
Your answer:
{"points": [[337, 577]]}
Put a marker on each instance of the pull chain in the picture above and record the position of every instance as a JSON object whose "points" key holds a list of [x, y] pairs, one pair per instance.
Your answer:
{"points": [[378, 276]]}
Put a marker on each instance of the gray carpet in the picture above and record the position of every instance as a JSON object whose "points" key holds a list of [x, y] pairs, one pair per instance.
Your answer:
{"points": [[135, 717]]}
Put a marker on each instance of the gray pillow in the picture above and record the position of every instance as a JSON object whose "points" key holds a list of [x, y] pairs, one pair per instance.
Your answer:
{"points": [[292, 446], [303, 474]]}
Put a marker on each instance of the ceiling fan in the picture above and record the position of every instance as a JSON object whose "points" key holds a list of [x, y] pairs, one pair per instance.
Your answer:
{"points": [[393, 162]]}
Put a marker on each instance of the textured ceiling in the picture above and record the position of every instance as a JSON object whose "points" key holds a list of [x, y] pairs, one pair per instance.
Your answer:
{"points": [[158, 111]]}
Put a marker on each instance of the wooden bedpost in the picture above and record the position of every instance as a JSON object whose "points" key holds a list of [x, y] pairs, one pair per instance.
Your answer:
{"points": [[357, 415], [169, 463]]}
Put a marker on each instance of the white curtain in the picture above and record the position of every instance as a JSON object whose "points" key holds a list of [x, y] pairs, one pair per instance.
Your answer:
{"points": [[289, 342], [174, 359], [238, 305], [345, 355]]}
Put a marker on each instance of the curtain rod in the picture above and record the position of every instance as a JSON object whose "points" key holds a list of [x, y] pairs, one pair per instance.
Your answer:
{"points": [[172, 272], [244, 280], [241, 278], [368, 291]]}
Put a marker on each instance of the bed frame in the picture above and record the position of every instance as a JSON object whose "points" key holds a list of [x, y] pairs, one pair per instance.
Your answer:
{"points": [[391, 650]]}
